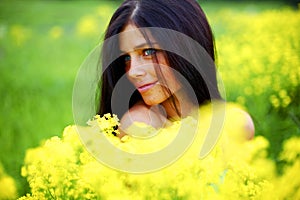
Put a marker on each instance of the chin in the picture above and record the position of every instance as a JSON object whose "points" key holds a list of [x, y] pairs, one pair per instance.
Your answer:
{"points": [[155, 97], [152, 101]]}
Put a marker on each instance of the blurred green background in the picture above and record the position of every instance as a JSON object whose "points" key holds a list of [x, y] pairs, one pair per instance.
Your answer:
{"points": [[43, 43]]}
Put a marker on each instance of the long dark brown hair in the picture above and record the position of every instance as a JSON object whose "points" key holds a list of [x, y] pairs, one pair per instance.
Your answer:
{"points": [[184, 16]]}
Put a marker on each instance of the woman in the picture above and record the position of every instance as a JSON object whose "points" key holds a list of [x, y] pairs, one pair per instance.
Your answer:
{"points": [[167, 85]]}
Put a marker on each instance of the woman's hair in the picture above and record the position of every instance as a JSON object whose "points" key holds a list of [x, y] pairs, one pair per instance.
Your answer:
{"points": [[184, 16]]}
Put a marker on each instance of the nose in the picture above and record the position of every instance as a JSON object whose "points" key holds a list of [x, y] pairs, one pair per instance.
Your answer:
{"points": [[136, 69]]}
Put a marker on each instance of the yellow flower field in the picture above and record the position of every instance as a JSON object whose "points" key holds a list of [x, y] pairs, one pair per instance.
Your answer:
{"points": [[258, 63], [235, 169]]}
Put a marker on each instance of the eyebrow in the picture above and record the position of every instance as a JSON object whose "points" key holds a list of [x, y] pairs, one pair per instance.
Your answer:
{"points": [[145, 44]]}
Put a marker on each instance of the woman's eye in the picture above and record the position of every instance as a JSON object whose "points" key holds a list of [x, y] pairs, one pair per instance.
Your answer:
{"points": [[126, 58], [149, 52]]}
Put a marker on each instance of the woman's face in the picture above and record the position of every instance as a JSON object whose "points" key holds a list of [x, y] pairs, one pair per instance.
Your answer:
{"points": [[138, 57]]}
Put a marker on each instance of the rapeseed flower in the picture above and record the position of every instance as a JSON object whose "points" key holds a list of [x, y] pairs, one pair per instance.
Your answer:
{"points": [[19, 34], [260, 60], [87, 26], [8, 188], [63, 168], [56, 32]]}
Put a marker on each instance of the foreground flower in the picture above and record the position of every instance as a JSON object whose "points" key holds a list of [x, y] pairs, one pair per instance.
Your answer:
{"points": [[62, 168]]}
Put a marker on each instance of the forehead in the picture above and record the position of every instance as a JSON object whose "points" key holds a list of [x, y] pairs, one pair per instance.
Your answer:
{"points": [[131, 38]]}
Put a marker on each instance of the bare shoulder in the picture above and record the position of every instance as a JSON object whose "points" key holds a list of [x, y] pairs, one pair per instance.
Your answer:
{"points": [[248, 124], [140, 112]]}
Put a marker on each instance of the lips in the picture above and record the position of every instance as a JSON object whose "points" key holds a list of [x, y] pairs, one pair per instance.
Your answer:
{"points": [[146, 87]]}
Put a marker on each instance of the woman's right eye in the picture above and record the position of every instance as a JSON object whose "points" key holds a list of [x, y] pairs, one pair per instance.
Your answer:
{"points": [[149, 52], [126, 58]]}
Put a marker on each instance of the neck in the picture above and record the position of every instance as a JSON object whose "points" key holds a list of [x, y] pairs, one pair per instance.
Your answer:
{"points": [[177, 109]]}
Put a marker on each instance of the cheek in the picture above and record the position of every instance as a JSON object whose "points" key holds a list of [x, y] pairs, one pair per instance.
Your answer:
{"points": [[168, 73], [171, 80]]}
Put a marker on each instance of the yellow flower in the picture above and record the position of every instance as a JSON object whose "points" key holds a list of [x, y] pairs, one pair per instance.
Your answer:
{"points": [[56, 32], [274, 101], [87, 26], [19, 34], [8, 188]]}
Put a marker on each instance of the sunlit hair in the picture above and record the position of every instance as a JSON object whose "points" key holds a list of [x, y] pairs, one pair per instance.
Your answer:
{"points": [[184, 16]]}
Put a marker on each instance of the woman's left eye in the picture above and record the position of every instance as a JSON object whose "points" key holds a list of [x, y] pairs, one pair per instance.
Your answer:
{"points": [[149, 52]]}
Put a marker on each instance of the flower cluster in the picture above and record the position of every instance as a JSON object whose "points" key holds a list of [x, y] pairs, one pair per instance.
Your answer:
{"points": [[259, 56], [108, 124], [235, 169], [8, 188]]}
